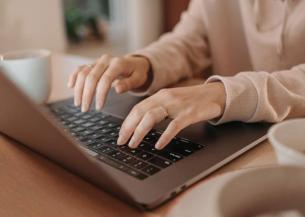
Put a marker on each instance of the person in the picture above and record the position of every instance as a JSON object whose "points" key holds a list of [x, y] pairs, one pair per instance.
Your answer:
{"points": [[254, 49]]}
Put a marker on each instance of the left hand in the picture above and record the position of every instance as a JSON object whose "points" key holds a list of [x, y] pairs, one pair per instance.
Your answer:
{"points": [[185, 105]]}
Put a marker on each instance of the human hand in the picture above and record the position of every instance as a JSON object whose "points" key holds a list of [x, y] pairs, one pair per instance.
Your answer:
{"points": [[124, 73], [185, 105]]}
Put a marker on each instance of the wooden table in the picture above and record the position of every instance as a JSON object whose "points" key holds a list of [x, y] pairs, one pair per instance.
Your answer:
{"points": [[33, 186]]}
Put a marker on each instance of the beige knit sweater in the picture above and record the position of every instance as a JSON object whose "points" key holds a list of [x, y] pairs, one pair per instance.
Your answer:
{"points": [[255, 47]]}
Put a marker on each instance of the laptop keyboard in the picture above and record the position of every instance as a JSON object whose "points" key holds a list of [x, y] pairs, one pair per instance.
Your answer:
{"points": [[98, 132]]}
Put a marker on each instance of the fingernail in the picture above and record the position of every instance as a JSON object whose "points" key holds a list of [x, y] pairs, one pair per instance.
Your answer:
{"points": [[118, 89], [120, 141], [76, 103], [98, 107], [132, 143], [158, 146], [84, 108]]}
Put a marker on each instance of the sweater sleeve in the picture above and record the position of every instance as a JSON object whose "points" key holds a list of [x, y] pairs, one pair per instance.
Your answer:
{"points": [[263, 96], [180, 54]]}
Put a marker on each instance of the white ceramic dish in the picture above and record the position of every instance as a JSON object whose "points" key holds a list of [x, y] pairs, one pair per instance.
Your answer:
{"points": [[246, 193], [288, 141]]}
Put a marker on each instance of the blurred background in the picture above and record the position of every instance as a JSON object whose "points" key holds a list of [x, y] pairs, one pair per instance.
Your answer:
{"points": [[86, 27]]}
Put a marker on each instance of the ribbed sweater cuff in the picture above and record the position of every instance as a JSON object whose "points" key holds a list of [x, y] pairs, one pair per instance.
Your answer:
{"points": [[241, 98]]}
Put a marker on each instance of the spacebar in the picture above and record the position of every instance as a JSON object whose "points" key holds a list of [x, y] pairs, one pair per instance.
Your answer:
{"points": [[122, 167]]}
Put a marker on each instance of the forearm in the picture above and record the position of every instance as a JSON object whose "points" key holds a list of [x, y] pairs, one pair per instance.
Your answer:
{"points": [[181, 54], [263, 96]]}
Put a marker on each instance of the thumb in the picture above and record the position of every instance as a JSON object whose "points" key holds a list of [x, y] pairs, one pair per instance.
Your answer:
{"points": [[122, 85]]}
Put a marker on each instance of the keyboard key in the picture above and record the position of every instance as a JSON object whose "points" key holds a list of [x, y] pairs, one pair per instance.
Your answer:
{"points": [[183, 151], [77, 129], [139, 165], [73, 134], [79, 121], [129, 160], [183, 147], [101, 115], [65, 117], [105, 140], [86, 132], [113, 143], [71, 119], [87, 124], [155, 133], [96, 127], [144, 156], [79, 114], [123, 168], [105, 130], [149, 139], [159, 162], [196, 146], [95, 119], [111, 162], [180, 149], [96, 136], [95, 147], [102, 122], [89, 142], [133, 152], [149, 148], [150, 170], [111, 125], [71, 126], [135, 173], [81, 138], [105, 150], [118, 155], [170, 155], [65, 123], [187, 143], [86, 116], [114, 134], [152, 137]]}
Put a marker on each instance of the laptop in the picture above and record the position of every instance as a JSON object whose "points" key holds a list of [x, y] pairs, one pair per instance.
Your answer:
{"points": [[85, 144]]}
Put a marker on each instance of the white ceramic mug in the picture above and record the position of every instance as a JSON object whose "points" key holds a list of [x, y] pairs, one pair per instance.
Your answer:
{"points": [[288, 141], [30, 70]]}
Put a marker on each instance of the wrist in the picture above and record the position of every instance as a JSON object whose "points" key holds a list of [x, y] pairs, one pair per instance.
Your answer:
{"points": [[217, 93], [147, 71]]}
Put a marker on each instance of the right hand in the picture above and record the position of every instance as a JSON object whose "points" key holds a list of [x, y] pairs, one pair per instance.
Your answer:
{"points": [[124, 73]]}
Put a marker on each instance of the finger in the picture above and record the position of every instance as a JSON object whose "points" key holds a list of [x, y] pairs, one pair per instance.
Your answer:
{"points": [[79, 85], [91, 82], [151, 118], [184, 120], [115, 69], [133, 119], [174, 127], [128, 83], [73, 76]]}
